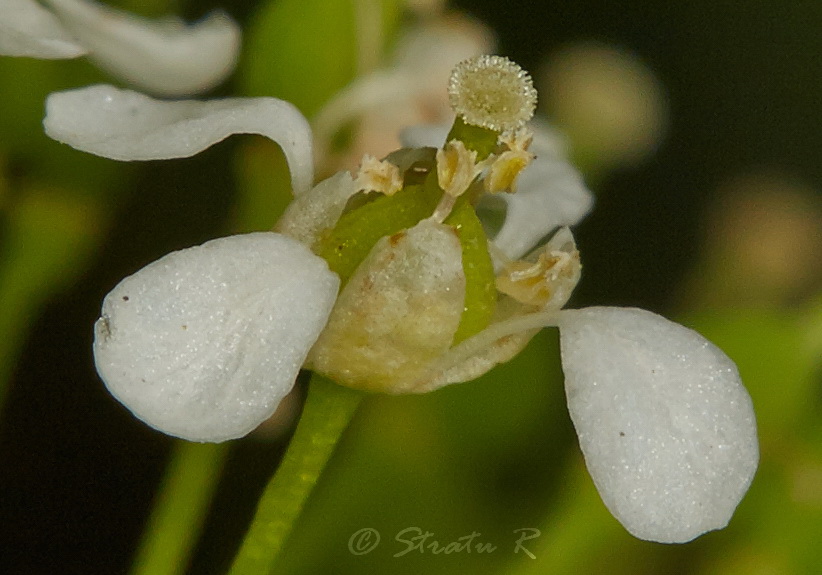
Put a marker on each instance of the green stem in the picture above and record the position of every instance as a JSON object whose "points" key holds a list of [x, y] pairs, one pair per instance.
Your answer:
{"points": [[180, 508], [327, 412]]}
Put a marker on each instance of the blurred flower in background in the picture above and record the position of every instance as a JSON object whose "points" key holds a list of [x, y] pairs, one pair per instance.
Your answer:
{"points": [[761, 244], [407, 92], [607, 100]]}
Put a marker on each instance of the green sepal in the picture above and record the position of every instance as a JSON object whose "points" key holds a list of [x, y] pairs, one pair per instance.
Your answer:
{"points": [[480, 287], [346, 246]]}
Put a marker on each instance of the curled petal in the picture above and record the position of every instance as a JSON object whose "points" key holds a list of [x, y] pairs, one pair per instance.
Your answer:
{"points": [[666, 427], [127, 125], [550, 194], [28, 29], [164, 57], [204, 343]]}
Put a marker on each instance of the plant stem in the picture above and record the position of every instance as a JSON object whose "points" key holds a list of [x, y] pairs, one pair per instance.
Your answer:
{"points": [[327, 412], [180, 508]]}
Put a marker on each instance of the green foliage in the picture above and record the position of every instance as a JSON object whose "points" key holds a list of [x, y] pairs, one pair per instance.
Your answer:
{"points": [[302, 51], [305, 51]]}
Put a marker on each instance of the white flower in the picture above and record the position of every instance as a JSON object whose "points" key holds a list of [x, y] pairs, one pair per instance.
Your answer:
{"points": [[164, 57], [204, 342]]}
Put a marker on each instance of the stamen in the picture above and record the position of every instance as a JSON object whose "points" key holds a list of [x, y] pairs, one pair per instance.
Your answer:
{"points": [[456, 168], [379, 176], [492, 92], [506, 168], [552, 276], [517, 140]]}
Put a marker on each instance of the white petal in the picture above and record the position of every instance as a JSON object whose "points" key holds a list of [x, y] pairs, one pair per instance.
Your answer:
{"points": [[164, 57], [550, 194], [666, 426], [126, 125], [205, 342], [28, 29]]}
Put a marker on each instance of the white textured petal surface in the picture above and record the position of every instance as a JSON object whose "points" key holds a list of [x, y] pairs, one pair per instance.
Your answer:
{"points": [[165, 57], [127, 125], [550, 194], [667, 428], [28, 29], [205, 342]]}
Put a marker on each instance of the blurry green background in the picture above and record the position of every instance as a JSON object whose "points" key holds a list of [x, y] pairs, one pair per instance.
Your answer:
{"points": [[720, 228]]}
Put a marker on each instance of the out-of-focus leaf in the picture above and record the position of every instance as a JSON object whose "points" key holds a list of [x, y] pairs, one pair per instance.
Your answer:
{"points": [[49, 235], [813, 331], [390, 474], [24, 85], [467, 458], [304, 51], [574, 533]]}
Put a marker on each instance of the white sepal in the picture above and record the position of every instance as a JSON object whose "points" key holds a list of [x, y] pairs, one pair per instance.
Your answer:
{"points": [[666, 427], [28, 29], [126, 125], [165, 57], [318, 210], [204, 343]]}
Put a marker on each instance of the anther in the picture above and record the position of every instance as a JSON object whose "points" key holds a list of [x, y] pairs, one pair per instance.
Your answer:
{"points": [[379, 176]]}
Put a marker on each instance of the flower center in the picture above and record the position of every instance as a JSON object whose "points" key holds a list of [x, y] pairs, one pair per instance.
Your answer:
{"points": [[417, 276]]}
